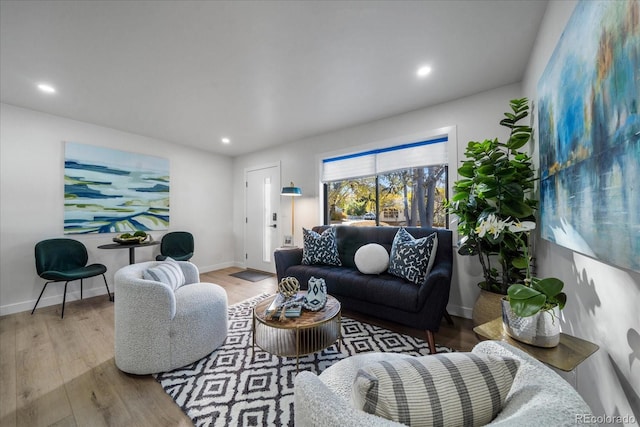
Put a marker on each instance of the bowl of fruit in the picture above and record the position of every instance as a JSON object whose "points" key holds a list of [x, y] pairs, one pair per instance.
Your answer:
{"points": [[132, 238]]}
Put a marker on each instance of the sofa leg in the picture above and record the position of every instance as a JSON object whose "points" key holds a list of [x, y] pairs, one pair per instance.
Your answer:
{"points": [[448, 318], [432, 342]]}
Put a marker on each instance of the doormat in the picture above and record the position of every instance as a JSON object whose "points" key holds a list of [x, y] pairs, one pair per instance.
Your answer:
{"points": [[227, 388], [251, 275]]}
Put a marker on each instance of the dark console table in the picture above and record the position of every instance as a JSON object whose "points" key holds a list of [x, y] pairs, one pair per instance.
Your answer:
{"points": [[132, 247]]}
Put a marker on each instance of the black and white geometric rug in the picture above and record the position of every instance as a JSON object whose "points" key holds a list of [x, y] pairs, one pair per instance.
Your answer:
{"points": [[227, 389]]}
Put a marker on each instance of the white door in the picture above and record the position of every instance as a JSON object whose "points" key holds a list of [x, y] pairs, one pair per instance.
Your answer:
{"points": [[262, 205]]}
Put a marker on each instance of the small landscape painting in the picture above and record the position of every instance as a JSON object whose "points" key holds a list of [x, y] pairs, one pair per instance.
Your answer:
{"points": [[112, 191], [589, 134]]}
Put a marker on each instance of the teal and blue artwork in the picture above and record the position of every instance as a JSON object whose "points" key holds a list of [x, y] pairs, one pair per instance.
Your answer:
{"points": [[112, 191], [589, 134]]}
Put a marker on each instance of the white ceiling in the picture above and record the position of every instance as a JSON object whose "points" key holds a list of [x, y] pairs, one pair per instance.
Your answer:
{"points": [[260, 72]]}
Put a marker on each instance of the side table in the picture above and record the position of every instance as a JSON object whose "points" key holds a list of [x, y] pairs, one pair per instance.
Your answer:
{"points": [[566, 356]]}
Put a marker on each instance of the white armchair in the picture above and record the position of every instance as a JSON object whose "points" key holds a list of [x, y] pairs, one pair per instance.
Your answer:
{"points": [[158, 329], [538, 396]]}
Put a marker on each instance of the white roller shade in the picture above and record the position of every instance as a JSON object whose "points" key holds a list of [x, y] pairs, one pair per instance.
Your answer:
{"points": [[424, 153], [349, 166], [369, 163]]}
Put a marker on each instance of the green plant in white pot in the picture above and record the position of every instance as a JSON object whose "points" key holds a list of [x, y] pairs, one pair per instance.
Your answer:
{"points": [[541, 295], [530, 310]]}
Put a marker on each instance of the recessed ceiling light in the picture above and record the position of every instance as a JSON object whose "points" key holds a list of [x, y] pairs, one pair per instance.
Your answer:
{"points": [[46, 88], [423, 71], [225, 140]]}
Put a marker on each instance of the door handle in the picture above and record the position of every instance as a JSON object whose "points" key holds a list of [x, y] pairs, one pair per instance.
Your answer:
{"points": [[273, 225]]}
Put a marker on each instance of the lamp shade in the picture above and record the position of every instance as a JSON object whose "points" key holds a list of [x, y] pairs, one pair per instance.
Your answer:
{"points": [[292, 191]]}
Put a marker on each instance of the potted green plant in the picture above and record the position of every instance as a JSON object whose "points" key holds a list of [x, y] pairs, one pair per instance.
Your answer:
{"points": [[496, 179], [530, 310]]}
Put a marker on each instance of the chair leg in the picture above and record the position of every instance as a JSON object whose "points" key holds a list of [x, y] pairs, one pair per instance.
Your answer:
{"points": [[432, 342], [105, 283], [80, 288], [64, 298], [41, 292], [447, 316]]}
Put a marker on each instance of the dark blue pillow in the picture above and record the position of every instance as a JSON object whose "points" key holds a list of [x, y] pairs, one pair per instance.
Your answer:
{"points": [[320, 248], [411, 258]]}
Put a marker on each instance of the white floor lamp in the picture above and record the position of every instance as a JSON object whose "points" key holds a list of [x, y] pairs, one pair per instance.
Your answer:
{"points": [[292, 192]]}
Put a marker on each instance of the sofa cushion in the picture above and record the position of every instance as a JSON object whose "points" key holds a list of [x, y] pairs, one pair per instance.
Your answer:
{"points": [[168, 272], [443, 389], [320, 248], [412, 258], [372, 258]]}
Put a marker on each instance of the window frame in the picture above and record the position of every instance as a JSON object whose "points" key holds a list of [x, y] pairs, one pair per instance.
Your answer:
{"points": [[452, 160]]}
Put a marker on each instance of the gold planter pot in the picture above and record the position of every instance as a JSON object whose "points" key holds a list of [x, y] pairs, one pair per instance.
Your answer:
{"points": [[486, 307], [541, 330]]}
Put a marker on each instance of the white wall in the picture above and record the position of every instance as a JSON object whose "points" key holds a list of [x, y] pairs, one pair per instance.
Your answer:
{"points": [[476, 118], [32, 197], [603, 301]]}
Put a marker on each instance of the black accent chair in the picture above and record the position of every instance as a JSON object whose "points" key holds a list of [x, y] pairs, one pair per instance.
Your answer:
{"points": [[177, 245], [65, 260]]}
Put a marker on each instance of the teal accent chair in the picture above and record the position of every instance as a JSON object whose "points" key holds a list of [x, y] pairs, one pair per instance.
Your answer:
{"points": [[177, 245], [65, 260]]}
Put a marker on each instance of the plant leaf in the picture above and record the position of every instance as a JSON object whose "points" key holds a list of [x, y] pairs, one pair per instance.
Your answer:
{"points": [[561, 300], [461, 195], [466, 170], [527, 307], [486, 169], [517, 209], [468, 249], [521, 292], [519, 263], [550, 286]]}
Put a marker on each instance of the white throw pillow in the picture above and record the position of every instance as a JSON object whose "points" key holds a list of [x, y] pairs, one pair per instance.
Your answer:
{"points": [[371, 258], [451, 389], [168, 272]]}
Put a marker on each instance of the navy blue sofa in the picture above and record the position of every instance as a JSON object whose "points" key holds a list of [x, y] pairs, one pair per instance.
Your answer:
{"points": [[383, 296]]}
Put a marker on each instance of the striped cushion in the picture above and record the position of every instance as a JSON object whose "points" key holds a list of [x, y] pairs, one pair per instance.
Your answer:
{"points": [[452, 389], [167, 272]]}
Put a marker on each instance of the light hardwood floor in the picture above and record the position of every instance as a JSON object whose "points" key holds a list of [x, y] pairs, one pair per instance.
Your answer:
{"points": [[61, 372]]}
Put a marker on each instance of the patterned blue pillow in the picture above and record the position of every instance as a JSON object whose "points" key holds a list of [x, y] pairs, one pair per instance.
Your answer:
{"points": [[320, 248], [411, 258]]}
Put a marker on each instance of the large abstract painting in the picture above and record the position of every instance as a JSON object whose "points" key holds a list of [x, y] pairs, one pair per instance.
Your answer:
{"points": [[112, 191], [589, 133]]}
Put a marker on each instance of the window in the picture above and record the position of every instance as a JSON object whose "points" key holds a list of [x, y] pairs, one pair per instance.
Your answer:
{"points": [[399, 185]]}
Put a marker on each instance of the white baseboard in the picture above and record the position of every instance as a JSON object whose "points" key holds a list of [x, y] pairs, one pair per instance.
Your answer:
{"points": [[74, 295], [457, 310], [208, 268], [47, 301]]}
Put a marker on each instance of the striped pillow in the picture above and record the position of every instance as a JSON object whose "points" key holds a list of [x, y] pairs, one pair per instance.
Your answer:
{"points": [[452, 389], [168, 272]]}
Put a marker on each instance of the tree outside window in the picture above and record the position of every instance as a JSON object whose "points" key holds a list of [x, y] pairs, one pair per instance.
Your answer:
{"points": [[408, 197]]}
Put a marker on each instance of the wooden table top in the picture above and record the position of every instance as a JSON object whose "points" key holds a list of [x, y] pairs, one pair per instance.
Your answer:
{"points": [[307, 318], [566, 356]]}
